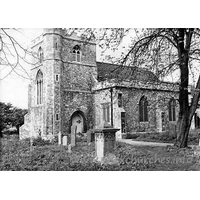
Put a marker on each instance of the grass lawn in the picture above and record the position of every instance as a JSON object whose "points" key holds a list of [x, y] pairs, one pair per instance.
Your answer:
{"points": [[193, 139], [16, 155]]}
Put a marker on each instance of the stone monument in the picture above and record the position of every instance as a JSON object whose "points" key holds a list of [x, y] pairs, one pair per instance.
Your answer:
{"points": [[105, 141]]}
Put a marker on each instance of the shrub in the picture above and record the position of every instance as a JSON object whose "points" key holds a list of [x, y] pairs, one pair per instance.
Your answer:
{"points": [[40, 142], [55, 140], [81, 137], [10, 131], [132, 136]]}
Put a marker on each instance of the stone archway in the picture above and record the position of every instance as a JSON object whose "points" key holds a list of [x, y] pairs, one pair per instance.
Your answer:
{"points": [[79, 121], [77, 125]]}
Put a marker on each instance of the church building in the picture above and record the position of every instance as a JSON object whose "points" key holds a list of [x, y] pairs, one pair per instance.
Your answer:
{"points": [[70, 88]]}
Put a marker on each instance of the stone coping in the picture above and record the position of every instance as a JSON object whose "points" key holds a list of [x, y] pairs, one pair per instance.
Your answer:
{"points": [[105, 130]]}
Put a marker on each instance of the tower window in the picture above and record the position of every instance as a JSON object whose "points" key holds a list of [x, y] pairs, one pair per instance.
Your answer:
{"points": [[76, 54], [119, 100], [143, 113], [57, 117], [57, 77], [40, 55], [172, 110], [39, 86]]}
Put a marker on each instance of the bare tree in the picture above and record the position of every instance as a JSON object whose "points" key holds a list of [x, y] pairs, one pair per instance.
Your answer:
{"points": [[14, 56], [163, 50]]}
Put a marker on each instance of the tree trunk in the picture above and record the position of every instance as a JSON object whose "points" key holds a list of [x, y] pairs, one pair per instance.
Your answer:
{"points": [[184, 121], [183, 130]]}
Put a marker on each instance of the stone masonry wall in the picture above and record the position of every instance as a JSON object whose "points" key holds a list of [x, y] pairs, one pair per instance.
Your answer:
{"points": [[74, 102], [77, 80], [157, 103]]}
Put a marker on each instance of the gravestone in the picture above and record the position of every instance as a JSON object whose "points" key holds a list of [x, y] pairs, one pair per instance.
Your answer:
{"points": [[73, 135], [90, 136], [59, 138], [197, 150], [69, 148], [65, 140]]}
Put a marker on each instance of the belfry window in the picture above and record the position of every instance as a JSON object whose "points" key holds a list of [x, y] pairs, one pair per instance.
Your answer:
{"points": [[76, 54], [39, 87], [172, 110], [40, 55], [143, 113]]}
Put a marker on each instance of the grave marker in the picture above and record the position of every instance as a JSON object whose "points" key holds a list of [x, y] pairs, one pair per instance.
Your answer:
{"points": [[59, 138], [69, 148], [73, 135], [65, 140], [104, 142]]}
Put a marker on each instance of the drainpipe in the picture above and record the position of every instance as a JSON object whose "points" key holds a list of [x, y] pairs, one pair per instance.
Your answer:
{"points": [[111, 97]]}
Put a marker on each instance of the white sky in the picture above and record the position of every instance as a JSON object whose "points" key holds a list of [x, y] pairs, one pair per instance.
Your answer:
{"points": [[14, 89], [95, 14]]}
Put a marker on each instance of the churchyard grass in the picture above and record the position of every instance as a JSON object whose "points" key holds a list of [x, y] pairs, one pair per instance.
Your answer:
{"points": [[45, 156], [193, 138]]}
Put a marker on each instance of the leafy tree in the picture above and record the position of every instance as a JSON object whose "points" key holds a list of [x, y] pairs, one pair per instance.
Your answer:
{"points": [[10, 115], [5, 113]]}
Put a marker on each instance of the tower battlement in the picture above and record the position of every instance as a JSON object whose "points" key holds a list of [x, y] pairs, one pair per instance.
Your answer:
{"points": [[37, 40]]}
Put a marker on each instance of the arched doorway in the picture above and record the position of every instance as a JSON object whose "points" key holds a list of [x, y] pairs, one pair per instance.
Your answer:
{"points": [[79, 122]]}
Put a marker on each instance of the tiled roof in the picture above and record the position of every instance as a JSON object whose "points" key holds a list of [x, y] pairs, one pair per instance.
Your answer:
{"points": [[108, 71]]}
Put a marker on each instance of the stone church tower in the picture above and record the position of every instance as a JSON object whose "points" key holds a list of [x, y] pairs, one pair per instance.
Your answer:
{"points": [[60, 92], [65, 92]]}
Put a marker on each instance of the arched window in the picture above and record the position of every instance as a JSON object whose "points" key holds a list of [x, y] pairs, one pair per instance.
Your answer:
{"points": [[172, 110], [39, 86], [40, 55], [76, 54], [143, 113]]}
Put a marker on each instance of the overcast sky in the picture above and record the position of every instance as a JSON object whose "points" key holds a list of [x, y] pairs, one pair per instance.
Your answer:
{"points": [[14, 89]]}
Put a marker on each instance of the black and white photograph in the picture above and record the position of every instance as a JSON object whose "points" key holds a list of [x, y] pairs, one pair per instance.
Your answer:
{"points": [[83, 99], [101, 99]]}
